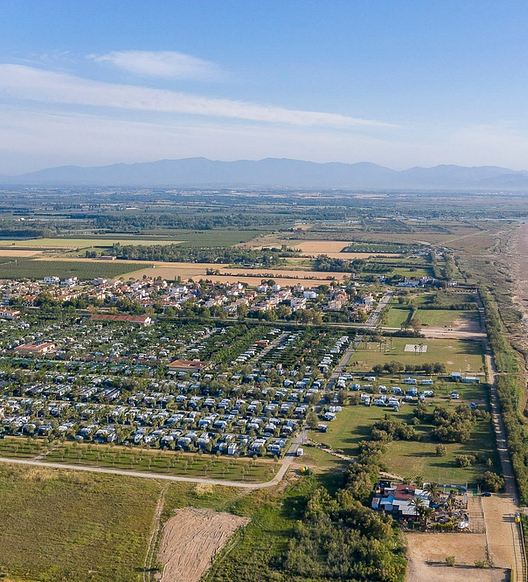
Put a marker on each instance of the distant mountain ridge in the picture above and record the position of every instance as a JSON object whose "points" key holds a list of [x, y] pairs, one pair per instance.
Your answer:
{"points": [[276, 172]]}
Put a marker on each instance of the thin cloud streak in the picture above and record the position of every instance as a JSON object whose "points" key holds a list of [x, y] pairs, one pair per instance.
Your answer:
{"points": [[164, 64], [32, 84]]}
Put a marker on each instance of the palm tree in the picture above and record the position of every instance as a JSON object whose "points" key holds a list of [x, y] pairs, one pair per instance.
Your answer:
{"points": [[417, 503], [433, 490]]}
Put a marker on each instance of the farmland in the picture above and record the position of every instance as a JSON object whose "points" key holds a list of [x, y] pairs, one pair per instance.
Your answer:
{"points": [[26, 268]]}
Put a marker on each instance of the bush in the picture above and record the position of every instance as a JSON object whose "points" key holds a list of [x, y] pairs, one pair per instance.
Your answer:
{"points": [[451, 561], [441, 450], [464, 460], [490, 481]]}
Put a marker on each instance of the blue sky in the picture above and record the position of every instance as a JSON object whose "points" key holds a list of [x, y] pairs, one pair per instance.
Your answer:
{"points": [[392, 82]]}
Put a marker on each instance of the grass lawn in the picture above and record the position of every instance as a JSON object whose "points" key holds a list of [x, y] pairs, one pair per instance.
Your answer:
{"points": [[410, 458], [397, 316], [441, 317], [321, 460], [457, 355]]}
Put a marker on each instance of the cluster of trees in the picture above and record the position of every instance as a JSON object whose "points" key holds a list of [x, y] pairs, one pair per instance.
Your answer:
{"points": [[194, 221], [266, 257], [394, 367], [326, 263], [453, 426], [338, 538], [389, 429]]}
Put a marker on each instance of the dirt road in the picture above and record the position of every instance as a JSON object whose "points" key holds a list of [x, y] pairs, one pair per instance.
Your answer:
{"points": [[285, 465]]}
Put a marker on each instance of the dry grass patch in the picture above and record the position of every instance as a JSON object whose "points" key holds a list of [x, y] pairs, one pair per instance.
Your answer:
{"points": [[191, 539]]}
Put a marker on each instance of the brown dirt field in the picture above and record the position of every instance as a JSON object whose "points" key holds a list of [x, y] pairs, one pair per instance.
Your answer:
{"points": [[191, 539], [466, 548], [462, 327], [319, 247], [193, 271], [16, 253], [499, 511]]}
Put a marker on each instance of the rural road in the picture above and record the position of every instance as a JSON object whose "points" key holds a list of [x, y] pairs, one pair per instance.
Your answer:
{"points": [[504, 540], [285, 465], [374, 316]]}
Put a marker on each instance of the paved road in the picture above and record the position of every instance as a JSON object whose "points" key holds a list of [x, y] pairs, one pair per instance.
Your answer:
{"points": [[347, 356], [290, 456], [374, 316]]}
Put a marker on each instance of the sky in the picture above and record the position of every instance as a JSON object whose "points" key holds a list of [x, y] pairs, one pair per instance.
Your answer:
{"points": [[398, 83]]}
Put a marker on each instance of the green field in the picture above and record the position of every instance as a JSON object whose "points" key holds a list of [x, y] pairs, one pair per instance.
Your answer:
{"points": [[213, 237], [409, 458], [397, 315], [81, 243], [64, 525], [36, 269], [457, 355]]}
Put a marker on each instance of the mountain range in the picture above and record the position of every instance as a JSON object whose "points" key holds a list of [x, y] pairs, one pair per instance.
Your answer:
{"points": [[276, 173]]}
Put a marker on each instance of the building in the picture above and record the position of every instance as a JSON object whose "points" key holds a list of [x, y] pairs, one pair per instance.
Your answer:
{"points": [[398, 500], [9, 314], [186, 365], [36, 348], [137, 319]]}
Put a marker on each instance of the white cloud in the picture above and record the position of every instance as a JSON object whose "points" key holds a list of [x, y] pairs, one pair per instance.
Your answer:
{"points": [[28, 83], [166, 64]]}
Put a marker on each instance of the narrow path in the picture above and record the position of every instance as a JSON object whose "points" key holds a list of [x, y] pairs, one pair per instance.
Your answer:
{"points": [[156, 521]]}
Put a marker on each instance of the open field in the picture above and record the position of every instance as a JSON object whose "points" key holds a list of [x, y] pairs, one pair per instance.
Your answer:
{"points": [[457, 355], [62, 525], [227, 275], [18, 254], [397, 315], [435, 548], [191, 539], [26, 268], [331, 248], [82, 243], [217, 237], [451, 317], [408, 458]]}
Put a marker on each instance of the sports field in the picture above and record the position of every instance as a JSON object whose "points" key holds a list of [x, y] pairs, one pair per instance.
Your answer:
{"points": [[457, 355]]}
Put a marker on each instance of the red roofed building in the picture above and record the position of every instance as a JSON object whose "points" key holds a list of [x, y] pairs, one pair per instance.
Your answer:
{"points": [[137, 319]]}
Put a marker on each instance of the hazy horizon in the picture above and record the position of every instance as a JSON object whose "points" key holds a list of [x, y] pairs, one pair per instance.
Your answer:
{"points": [[396, 85]]}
